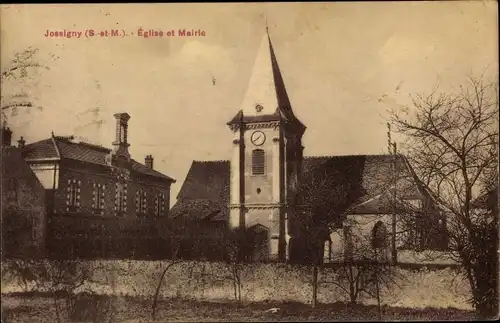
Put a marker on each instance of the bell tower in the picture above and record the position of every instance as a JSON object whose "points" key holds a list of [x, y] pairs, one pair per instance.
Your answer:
{"points": [[267, 156]]}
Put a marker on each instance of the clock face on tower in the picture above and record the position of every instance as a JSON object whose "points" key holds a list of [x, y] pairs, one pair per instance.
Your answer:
{"points": [[258, 138]]}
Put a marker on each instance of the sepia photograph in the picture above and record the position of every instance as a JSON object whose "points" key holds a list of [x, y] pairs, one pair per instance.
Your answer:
{"points": [[249, 162]]}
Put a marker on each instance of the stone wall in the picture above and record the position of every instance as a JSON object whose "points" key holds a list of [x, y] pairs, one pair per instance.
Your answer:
{"points": [[416, 288]]}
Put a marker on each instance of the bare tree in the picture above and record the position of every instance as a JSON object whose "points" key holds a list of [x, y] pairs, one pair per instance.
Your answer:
{"points": [[453, 148], [234, 255], [363, 268], [19, 70], [188, 241], [175, 260], [178, 233], [320, 201], [61, 278]]}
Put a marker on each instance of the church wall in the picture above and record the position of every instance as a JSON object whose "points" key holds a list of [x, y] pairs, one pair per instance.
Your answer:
{"points": [[234, 218], [362, 226], [261, 216], [361, 230]]}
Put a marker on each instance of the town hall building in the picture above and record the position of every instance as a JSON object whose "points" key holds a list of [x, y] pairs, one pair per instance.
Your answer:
{"points": [[270, 188], [97, 202]]}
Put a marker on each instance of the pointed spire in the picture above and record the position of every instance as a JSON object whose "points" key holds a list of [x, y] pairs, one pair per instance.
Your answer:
{"points": [[266, 87], [266, 96]]}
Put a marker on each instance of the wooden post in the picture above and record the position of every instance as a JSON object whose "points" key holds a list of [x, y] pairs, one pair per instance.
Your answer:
{"points": [[377, 288], [394, 210], [315, 285]]}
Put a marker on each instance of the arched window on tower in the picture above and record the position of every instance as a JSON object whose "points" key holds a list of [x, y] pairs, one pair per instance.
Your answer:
{"points": [[258, 162]]}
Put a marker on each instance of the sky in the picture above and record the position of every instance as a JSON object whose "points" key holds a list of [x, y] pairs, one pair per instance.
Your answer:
{"points": [[344, 64]]}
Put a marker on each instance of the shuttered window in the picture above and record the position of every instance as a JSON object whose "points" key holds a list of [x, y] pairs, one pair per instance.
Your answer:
{"points": [[98, 198], [73, 195], [258, 162], [140, 202], [121, 198], [159, 204]]}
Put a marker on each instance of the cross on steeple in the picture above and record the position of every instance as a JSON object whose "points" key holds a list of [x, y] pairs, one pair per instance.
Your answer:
{"points": [[267, 28]]}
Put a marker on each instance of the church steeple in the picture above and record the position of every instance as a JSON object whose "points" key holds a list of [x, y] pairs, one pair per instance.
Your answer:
{"points": [[267, 154], [266, 98]]}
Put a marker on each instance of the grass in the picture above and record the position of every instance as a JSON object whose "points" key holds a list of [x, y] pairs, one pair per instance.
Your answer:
{"points": [[133, 310]]}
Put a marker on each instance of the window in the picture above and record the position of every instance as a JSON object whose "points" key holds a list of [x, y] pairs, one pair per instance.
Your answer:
{"points": [[428, 232], [258, 162], [417, 232], [348, 243], [379, 240], [98, 198], [140, 202], [159, 204], [12, 190], [73, 195], [34, 229], [121, 198]]}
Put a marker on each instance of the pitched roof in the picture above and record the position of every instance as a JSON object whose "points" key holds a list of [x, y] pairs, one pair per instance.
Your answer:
{"points": [[488, 200], [205, 191], [41, 149], [13, 165], [267, 89], [357, 179], [65, 148]]}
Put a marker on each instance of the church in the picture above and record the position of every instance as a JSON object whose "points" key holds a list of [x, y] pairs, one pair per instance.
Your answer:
{"points": [[269, 187]]}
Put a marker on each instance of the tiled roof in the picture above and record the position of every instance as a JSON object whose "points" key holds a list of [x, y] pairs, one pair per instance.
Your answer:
{"points": [[63, 147], [356, 178], [82, 151], [12, 165], [40, 149], [359, 178], [205, 191], [9, 160], [143, 169]]}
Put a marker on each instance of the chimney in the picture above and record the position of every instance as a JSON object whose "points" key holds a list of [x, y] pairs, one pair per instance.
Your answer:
{"points": [[120, 145], [148, 161], [6, 137], [21, 142]]}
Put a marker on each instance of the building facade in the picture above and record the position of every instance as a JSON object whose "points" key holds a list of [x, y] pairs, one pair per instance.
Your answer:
{"points": [[85, 179], [269, 188], [99, 200]]}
